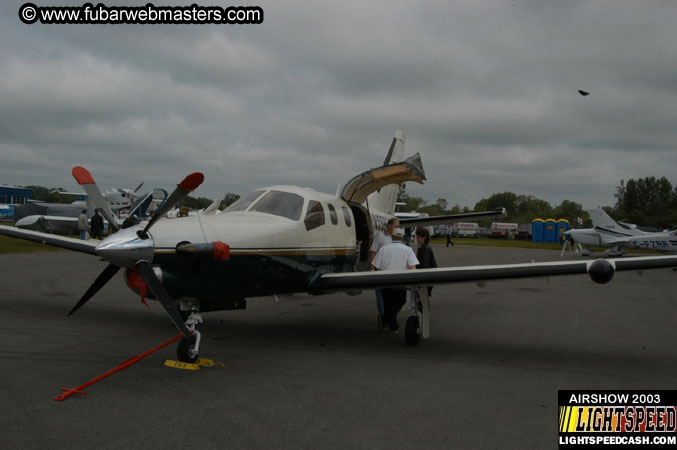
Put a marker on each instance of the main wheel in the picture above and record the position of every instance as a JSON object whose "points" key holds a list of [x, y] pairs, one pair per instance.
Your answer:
{"points": [[184, 352], [412, 331]]}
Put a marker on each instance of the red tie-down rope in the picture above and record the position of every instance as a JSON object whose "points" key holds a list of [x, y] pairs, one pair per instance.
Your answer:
{"points": [[123, 366]]}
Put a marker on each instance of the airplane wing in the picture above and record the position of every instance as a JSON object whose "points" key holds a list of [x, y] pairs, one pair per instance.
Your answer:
{"points": [[77, 245], [79, 194], [444, 220], [600, 270]]}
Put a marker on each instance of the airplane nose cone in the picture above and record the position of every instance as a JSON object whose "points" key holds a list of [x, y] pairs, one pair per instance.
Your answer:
{"points": [[125, 248]]}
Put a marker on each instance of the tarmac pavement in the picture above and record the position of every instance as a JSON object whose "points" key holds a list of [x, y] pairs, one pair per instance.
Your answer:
{"points": [[313, 372]]}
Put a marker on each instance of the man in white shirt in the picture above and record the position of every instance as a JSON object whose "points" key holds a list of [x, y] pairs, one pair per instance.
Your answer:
{"points": [[382, 238], [394, 256], [83, 225]]}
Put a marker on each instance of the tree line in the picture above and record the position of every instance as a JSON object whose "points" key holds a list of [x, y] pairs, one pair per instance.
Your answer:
{"points": [[645, 202]]}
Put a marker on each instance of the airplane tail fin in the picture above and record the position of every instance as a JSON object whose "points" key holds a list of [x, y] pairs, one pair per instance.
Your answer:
{"points": [[384, 199], [600, 219]]}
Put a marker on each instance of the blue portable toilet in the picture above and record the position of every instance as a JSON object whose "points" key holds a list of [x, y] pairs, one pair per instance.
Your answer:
{"points": [[537, 227], [550, 231], [562, 225]]}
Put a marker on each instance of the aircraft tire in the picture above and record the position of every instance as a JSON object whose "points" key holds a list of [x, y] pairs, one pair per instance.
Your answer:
{"points": [[412, 331], [183, 350]]}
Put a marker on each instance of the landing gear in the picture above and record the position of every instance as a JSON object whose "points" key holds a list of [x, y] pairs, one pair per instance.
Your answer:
{"points": [[186, 352], [189, 347], [418, 323]]}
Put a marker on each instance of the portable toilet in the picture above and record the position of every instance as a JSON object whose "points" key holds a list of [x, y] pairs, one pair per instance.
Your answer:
{"points": [[562, 226], [537, 226], [550, 231]]}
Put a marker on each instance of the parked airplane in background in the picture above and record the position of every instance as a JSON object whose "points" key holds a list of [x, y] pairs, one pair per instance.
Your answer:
{"points": [[606, 232], [285, 240], [61, 218], [118, 199]]}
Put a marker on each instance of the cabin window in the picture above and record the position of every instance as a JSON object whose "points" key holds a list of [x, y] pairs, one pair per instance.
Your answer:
{"points": [[243, 202], [314, 216], [332, 214], [278, 203], [346, 215]]}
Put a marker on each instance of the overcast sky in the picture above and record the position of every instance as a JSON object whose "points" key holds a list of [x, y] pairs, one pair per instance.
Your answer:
{"points": [[486, 92]]}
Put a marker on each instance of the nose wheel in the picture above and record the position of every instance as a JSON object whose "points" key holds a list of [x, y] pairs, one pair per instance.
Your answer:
{"points": [[188, 350]]}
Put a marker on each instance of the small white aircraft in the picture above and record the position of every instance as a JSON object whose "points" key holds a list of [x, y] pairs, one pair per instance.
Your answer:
{"points": [[606, 232], [118, 199], [64, 217], [285, 240]]}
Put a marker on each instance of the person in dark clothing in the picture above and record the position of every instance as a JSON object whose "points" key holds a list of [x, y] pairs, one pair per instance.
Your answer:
{"points": [[97, 224], [425, 254]]}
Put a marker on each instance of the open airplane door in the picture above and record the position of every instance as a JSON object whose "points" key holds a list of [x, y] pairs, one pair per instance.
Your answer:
{"points": [[359, 187]]}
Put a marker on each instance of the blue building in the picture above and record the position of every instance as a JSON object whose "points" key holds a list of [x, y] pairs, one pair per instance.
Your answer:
{"points": [[10, 195]]}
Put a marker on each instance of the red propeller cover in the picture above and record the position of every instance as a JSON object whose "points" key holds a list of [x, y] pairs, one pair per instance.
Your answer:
{"points": [[192, 181], [82, 175]]}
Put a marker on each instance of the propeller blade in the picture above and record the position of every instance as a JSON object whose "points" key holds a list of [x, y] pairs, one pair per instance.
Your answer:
{"points": [[101, 280], [85, 179], [161, 295], [190, 183]]}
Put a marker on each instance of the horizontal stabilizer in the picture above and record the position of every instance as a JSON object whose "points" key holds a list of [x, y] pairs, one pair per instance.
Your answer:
{"points": [[444, 220]]}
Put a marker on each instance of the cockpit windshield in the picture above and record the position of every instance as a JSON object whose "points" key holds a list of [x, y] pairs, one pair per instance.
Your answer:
{"points": [[279, 203], [243, 202]]}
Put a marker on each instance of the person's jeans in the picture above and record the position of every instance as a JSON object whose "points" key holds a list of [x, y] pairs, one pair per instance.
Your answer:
{"points": [[379, 301]]}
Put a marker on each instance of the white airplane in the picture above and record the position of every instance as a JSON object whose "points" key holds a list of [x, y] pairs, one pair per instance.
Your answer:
{"points": [[285, 240], [118, 199], [64, 217], [606, 232]]}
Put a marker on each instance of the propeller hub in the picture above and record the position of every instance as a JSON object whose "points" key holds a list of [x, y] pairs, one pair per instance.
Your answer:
{"points": [[125, 248]]}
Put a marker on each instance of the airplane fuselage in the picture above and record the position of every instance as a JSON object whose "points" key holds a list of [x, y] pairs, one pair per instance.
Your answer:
{"points": [[276, 247], [603, 237]]}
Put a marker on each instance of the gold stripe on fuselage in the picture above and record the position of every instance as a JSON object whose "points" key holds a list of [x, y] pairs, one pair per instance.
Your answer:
{"points": [[279, 252]]}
